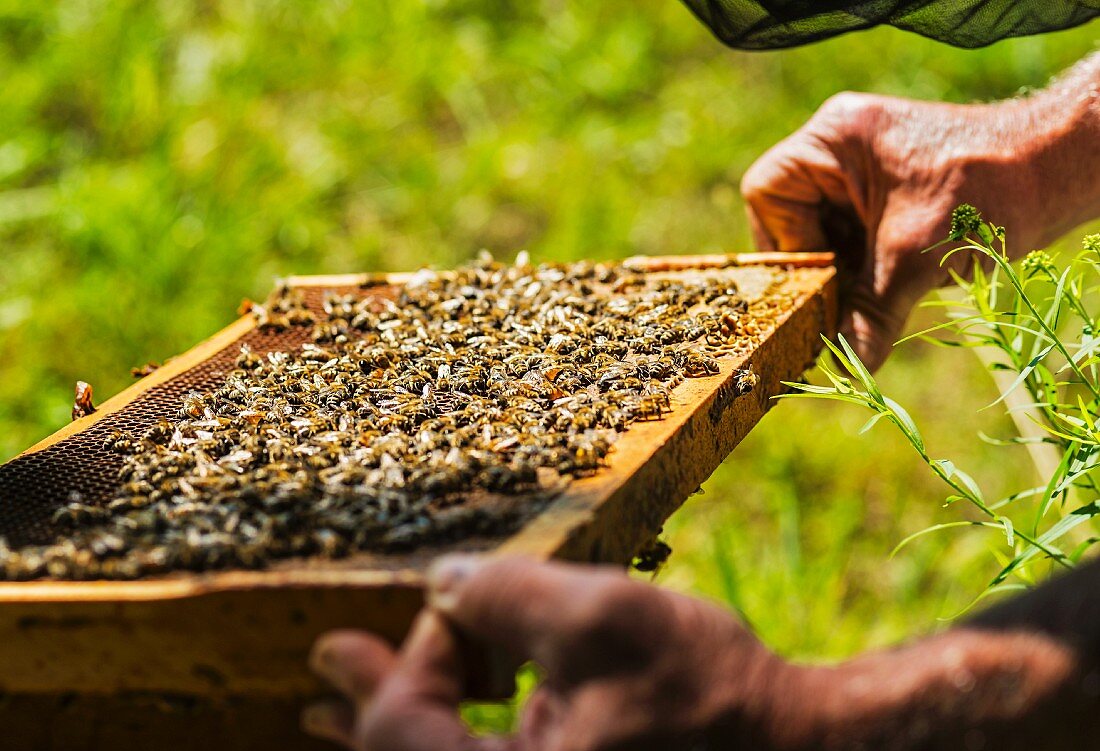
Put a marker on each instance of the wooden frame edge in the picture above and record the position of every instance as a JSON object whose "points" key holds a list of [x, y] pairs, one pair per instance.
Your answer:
{"points": [[521, 542], [154, 590], [729, 260]]}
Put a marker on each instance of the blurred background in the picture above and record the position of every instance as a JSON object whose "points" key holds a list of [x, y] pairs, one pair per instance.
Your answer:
{"points": [[159, 161]]}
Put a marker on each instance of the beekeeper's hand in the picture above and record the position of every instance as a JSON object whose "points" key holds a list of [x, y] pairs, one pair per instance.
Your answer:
{"points": [[625, 665], [876, 178], [630, 667]]}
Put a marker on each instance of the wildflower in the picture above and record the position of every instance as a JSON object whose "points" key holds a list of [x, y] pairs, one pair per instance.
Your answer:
{"points": [[1091, 244], [964, 220], [1038, 260]]}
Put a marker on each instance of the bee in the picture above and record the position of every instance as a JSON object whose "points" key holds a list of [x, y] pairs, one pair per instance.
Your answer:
{"points": [[329, 544], [159, 432], [310, 352], [82, 404], [195, 406], [120, 441], [700, 366], [76, 512], [652, 557], [651, 407], [300, 317], [145, 370], [589, 453], [339, 306], [745, 381], [330, 331], [272, 322]]}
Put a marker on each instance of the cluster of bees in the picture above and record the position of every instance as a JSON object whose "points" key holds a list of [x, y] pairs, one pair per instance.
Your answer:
{"points": [[381, 429]]}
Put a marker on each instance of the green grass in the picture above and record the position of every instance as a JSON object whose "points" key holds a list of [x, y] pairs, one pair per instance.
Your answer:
{"points": [[160, 161]]}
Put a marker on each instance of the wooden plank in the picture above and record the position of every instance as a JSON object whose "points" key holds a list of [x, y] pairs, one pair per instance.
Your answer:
{"points": [[67, 722], [218, 644], [233, 633], [350, 280], [729, 260]]}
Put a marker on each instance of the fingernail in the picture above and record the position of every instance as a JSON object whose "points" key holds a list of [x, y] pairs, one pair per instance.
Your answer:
{"points": [[445, 578]]}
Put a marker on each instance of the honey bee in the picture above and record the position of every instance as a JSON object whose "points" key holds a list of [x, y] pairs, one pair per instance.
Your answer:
{"points": [[145, 370], [699, 366], [195, 406], [745, 381], [82, 405]]}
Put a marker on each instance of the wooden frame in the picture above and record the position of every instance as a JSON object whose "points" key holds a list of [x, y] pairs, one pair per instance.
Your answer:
{"points": [[245, 633]]}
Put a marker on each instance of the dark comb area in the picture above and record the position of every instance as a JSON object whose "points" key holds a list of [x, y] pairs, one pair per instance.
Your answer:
{"points": [[34, 486]]}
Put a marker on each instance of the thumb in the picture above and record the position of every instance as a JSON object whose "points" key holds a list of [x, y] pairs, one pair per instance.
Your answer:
{"points": [[883, 294], [512, 602], [416, 708], [537, 611], [874, 311], [871, 334]]}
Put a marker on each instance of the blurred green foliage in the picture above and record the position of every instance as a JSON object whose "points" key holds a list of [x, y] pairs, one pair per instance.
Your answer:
{"points": [[161, 160]]}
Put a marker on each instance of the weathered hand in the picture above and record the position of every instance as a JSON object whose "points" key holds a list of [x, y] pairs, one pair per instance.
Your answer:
{"points": [[626, 666], [875, 179]]}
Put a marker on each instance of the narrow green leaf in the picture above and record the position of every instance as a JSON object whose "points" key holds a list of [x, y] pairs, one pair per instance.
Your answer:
{"points": [[906, 423], [1024, 373], [859, 370], [1052, 486], [1060, 529], [969, 483], [871, 422], [1019, 496], [937, 528], [988, 592]]}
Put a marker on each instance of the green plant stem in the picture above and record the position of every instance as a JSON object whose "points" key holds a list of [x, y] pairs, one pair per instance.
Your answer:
{"points": [[1003, 262], [966, 493]]}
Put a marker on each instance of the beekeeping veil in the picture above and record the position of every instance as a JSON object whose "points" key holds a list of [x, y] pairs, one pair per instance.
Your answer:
{"points": [[770, 24]]}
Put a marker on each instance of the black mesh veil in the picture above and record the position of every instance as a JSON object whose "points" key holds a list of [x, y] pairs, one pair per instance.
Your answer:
{"points": [[770, 24]]}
